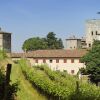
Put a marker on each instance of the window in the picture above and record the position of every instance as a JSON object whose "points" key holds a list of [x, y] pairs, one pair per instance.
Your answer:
{"points": [[44, 60], [96, 33], [89, 45], [92, 33], [65, 60], [57, 60], [72, 71], [36, 60], [72, 60], [79, 60], [50, 60]]}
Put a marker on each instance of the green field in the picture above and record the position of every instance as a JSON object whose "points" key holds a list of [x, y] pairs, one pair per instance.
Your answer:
{"points": [[27, 91]]}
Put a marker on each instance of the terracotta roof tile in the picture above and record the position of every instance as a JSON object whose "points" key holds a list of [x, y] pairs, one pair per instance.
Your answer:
{"points": [[51, 53]]}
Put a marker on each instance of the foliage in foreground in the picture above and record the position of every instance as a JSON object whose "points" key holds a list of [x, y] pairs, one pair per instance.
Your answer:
{"points": [[92, 61], [59, 85], [11, 88]]}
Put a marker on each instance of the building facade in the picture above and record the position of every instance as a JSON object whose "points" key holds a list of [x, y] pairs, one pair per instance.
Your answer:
{"points": [[5, 41], [92, 31], [62, 60]]}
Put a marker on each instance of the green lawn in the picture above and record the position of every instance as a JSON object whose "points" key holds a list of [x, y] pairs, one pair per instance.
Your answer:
{"points": [[27, 91]]}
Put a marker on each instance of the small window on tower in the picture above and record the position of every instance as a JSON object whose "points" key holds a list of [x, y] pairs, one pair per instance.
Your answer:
{"points": [[92, 33], [96, 33], [89, 45]]}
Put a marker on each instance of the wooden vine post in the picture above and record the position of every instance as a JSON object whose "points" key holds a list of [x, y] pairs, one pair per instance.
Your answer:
{"points": [[7, 80]]}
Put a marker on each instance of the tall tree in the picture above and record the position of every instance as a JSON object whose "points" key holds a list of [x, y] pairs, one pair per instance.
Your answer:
{"points": [[60, 44], [92, 61], [53, 42]]}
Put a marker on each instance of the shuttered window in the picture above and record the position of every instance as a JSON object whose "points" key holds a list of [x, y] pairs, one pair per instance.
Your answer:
{"points": [[65, 60], [57, 60], [72, 60], [44, 60], [72, 71], [36, 60]]}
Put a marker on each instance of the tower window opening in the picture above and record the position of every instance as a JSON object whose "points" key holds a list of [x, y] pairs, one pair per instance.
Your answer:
{"points": [[96, 33], [92, 33], [89, 45]]}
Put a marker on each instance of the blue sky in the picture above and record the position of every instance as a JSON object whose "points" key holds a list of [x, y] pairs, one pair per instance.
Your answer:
{"points": [[31, 18]]}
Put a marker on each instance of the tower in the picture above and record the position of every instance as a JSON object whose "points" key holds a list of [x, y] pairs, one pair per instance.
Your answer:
{"points": [[73, 43], [5, 41], [92, 31]]}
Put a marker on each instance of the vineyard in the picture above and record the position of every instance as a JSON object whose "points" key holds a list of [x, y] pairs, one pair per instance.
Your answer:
{"points": [[59, 85], [26, 90]]}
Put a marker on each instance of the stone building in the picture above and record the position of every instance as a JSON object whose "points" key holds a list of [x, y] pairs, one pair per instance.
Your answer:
{"points": [[75, 43], [5, 41], [92, 31]]}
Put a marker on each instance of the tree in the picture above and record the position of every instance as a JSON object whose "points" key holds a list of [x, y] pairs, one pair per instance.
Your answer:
{"points": [[53, 42], [35, 43], [60, 44], [92, 61]]}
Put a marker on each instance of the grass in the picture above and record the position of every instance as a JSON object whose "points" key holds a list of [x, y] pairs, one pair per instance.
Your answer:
{"points": [[27, 91]]}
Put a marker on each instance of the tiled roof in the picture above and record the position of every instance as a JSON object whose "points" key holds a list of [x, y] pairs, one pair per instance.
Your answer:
{"points": [[51, 53], [16, 55]]}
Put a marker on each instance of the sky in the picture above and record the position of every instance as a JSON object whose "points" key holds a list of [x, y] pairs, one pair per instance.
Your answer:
{"points": [[35, 18]]}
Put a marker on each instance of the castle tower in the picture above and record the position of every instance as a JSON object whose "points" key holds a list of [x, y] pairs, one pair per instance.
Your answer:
{"points": [[73, 43], [5, 41], [92, 31]]}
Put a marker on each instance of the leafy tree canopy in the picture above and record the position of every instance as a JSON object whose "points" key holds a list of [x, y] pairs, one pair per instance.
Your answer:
{"points": [[92, 61], [36, 43]]}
